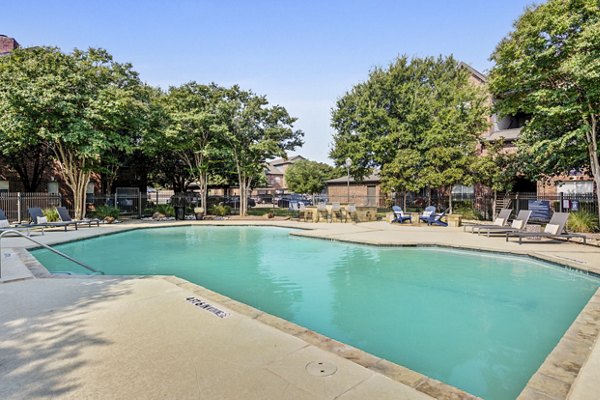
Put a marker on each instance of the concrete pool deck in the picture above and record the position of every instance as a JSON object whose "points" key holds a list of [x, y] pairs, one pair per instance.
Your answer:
{"points": [[66, 338]]}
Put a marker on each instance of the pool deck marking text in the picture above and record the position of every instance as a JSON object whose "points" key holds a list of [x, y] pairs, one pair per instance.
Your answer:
{"points": [[208, 307]]}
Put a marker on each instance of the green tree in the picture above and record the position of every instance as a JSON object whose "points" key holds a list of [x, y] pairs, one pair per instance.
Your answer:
{"points": [[417, 121], [193, 131], [82, 105], [548, 67], [254, 133], [306, 176], [496, 168], [27, 153]]}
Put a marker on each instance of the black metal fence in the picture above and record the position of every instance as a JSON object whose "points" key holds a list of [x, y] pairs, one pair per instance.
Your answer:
{"points": [[542, 206], [146, 204], [15, 205]]}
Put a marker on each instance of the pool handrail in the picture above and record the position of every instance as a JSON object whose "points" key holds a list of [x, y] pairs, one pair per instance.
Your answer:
{"points": [[46, 247]]}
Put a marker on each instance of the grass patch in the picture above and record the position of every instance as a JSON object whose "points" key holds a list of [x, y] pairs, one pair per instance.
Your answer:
{"points": [[582, 221]]}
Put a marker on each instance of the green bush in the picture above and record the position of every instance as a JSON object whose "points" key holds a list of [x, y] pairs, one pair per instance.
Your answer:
{"points": [[467, 211], [51, 214], [582, 221], [165, 209], [220, 210], [107, 211], [278, 212]]}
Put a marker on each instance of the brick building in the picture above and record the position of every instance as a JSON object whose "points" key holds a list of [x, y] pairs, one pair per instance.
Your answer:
{"points": [[7, 44], [363, 193]]}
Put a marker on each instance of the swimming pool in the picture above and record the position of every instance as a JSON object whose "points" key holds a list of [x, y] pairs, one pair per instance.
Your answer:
{"points": [[481, 322]]}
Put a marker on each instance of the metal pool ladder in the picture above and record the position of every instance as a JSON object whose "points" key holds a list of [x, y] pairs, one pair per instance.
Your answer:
{"points": [[46, 247]]}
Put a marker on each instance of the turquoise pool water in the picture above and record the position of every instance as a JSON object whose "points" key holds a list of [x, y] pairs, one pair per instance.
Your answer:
{"points": [[481, 322]]}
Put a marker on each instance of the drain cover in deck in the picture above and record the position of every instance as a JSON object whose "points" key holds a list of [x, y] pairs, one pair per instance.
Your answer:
{"points": [[318, 368]]}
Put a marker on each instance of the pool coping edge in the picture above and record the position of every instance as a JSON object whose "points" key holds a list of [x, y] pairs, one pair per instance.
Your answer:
{"points": [[554, 379]]}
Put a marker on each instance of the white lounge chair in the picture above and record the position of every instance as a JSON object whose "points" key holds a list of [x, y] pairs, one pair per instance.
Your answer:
{"points": [[555, 229], [500, 221], [519, 224]]}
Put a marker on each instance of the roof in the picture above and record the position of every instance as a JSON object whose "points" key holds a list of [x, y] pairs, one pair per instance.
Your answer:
{"points": [[271, 170], [507, 134], [474, 72], [344, 179], [281, 161]]}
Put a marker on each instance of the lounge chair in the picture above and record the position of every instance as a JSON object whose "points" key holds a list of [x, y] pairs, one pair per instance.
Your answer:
{"points": [[321, 211], [293, 207], [426, 216], [302, 210], [37, 220], [336, 211], [500, 221], [7, 226], [399, 215], [436, 219], [518, 224], [64, 216], [555, 229], [351, 213]]}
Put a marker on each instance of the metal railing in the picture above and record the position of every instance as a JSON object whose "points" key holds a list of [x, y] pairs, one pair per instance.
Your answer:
{"points": [[15, 205], [47, 248], [543, 206], [146, 204]]}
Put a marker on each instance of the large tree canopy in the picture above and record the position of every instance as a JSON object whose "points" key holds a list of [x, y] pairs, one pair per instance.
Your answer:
{"points": [[81, 105], [418, 121], [548, 67], [254, 133], [193, 128], [306, 176]]}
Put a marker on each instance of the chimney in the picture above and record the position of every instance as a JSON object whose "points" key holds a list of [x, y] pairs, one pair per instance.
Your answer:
{"points": [[7, 44]]}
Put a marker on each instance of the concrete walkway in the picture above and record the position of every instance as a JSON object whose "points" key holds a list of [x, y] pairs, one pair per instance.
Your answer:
{"points": [[123, 338], [140, 339]]}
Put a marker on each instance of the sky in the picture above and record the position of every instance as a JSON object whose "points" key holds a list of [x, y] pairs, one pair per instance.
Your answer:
{"points": [[303, 55]]}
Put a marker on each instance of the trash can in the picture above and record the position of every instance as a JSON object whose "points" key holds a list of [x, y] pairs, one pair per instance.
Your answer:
{"points": [[179, 213]]}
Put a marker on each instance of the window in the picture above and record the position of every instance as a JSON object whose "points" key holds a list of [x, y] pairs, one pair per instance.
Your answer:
{"points": [[461, 192], [89, 193], [461, 189], [4, 187], [575, 187], [53, 187]]}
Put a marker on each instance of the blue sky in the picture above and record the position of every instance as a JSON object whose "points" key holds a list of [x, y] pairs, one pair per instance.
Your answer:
{"points": [[301, 54]]}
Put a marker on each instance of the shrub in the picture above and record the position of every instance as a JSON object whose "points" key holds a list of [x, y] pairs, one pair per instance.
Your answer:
{"points": [[165, 209], [220, 210], [466, 210], [582, 221], [107, 211], [279, 212], [51, 214]]}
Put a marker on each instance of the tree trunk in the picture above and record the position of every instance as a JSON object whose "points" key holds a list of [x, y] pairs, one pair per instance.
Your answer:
{"points": [[592, 145], [76, 176], [450, 200], [494, 203], [78, 182], [243, 182], [203, 181], [30, 179]]}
